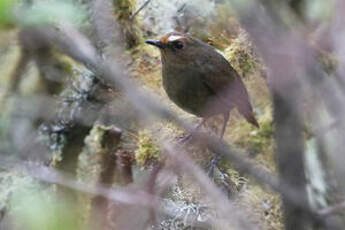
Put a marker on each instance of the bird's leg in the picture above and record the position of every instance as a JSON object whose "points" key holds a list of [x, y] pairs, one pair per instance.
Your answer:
{"points": [[186, 138], [226, 119], [213, 163], [216, 158]]}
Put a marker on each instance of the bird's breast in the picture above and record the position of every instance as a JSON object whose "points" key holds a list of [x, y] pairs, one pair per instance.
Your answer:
{"points": [[186, 88]]}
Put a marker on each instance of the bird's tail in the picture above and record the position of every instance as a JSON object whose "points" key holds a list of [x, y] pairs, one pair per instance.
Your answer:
{"points": [[242, 102], [247, 113]]}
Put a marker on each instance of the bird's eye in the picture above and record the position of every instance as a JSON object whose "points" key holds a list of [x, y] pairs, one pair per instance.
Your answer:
{"points": [[178, 45]]}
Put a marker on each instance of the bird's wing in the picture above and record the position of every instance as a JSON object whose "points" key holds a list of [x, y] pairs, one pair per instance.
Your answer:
{"points": [[223, 80]]}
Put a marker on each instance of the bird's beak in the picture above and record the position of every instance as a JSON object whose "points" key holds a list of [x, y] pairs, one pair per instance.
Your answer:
{"points": [[156, 43]]}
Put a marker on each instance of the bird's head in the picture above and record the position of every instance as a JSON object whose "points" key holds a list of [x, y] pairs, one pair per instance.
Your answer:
{"points": [[178, 48]]}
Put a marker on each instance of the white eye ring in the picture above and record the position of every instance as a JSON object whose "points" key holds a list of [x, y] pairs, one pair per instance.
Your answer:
{"points": [[174, 38]]}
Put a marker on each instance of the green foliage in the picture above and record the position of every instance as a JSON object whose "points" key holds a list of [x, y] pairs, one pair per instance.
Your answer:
{"points": [[14, 13], [33, 206], [35, 209], [47, 12], [6, 10]]}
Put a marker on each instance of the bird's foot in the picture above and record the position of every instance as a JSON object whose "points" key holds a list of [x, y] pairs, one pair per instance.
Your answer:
{"points": [[212, 165], [219, 177], [185, 138]]}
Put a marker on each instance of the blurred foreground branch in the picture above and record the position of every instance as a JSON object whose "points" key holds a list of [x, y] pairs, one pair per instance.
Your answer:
{"points": [[75, 45]]}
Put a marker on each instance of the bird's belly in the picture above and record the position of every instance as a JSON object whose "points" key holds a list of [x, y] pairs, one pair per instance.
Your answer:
{"points": [[190, 94]]}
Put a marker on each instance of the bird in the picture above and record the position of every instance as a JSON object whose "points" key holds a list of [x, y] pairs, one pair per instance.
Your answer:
{"points": [[200, 80]]}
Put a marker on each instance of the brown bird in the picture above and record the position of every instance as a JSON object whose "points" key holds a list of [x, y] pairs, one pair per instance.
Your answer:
{"points": [[200, 80]]}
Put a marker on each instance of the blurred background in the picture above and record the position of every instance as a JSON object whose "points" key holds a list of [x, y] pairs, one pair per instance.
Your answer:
{"points": [[90, 140]]}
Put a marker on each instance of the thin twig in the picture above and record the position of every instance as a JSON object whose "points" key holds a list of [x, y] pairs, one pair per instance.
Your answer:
{"points": [[140, 9], [332, 209]]}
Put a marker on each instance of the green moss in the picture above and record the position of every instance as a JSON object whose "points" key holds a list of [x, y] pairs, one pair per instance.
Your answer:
{"points": [[130, 29], [147, 151], [236, 178], [328, 60], [95, 144], [6, 15], [124, 8], [241, 56], [63, 63], [93, 141]]}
